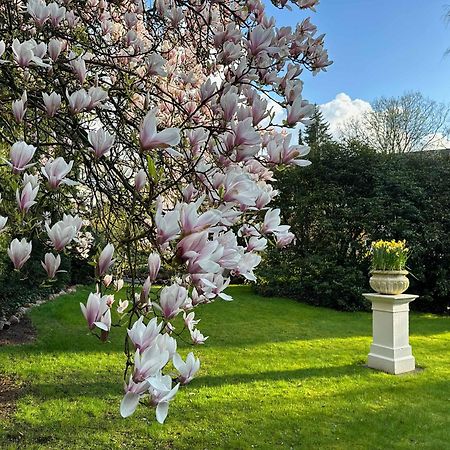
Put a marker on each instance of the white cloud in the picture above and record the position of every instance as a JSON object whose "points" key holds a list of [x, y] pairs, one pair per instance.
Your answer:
{"points": [[341, 109]]}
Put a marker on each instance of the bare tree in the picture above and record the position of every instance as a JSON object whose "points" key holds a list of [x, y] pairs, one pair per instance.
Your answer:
{"points": [[403, 124]]}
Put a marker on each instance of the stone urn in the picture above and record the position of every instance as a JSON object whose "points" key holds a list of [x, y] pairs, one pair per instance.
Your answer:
{"points": [[389, 282]]}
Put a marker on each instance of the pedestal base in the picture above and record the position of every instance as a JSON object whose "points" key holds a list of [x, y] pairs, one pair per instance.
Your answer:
{"points": [[391, 365], [390, 350]]}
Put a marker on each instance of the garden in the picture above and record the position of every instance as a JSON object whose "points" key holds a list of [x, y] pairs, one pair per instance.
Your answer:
{"points": [[191, 258]]}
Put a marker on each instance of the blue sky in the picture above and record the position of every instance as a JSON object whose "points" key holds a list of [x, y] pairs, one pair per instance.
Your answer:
{"points": [[379, 48]]}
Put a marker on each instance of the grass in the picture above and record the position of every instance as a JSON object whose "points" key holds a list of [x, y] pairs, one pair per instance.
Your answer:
{"points": [[275, 374]]}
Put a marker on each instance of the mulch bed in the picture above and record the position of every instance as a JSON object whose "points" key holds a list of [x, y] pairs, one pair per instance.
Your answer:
{"points": [[21, 333]]}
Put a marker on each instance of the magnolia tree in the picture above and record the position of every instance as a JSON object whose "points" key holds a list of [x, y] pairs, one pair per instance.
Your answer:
{"points": [[156, 125]]}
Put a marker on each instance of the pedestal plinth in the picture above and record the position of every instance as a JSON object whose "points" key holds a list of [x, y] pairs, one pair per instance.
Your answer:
{"points": [[390, 350]]}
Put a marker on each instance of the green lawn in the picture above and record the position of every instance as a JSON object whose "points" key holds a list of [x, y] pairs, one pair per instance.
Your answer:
{"points": [[275, 374]]}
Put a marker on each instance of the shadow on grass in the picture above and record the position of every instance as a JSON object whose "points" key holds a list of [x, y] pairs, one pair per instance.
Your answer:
{"points": [[285, 375], [85, 388]]}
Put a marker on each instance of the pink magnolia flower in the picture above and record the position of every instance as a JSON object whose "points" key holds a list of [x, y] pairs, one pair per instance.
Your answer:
{"points": [[154, 264], [19, 252], [167, 343], [32, 179], [151, 139], [123, 305], [171, 300], [97, 95], [52, 103], [282, 152], [140, 180], [79, 67], [155, 65], [26, 198], [118, 284], [79, 101], [144, 336], [74, 221], [284, 239], [161, 393], [3, 221], [189, 320], [187, 369], [20, 155], [27, 52], [192, 222], [51, 264], [105, 260], [214, 285], [97, 312], [299, 110], [55, 171], [167, 225], [197, 337], [57, 13], [101, 141], [260, 39], [146, 290], [39, 11], [272, 222], [61, 234], [256, 244], [107, 280], [247, 264], [149, 363], [133, 393], [19, 108], [54, 48]]}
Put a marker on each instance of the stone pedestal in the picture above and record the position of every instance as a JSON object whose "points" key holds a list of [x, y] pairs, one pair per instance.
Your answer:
{"points": [[390, 350]]}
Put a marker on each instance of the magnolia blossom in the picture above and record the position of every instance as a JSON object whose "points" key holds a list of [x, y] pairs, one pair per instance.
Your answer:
{"points": [[55, 171], [149, 363], [150, 138], [140, 180], [19, 252], [19, 108], [20, 156], [187, 369], [154, 264], [97, 312], [118, 284], [28, 52], [161, 393], [51, 264], [197, 337], [105, 260], [123, 305], [52, 103], [3, 221], [62, 233], [26, 198], [171, 300], [107, 280], [144, 336], [101, 141]]}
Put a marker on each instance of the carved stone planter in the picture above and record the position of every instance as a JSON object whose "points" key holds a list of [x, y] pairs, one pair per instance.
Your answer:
{"points": [[389, 282]]}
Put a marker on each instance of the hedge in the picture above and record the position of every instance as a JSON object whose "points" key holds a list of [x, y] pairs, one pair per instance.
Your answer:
{"points": [[347, 198]]}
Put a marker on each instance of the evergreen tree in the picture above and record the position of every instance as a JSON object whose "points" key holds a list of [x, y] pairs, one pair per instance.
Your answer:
{"points": [[318, 131]]}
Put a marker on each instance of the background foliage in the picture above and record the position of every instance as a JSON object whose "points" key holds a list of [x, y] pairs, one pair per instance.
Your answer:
{"points": [[350, 196]]}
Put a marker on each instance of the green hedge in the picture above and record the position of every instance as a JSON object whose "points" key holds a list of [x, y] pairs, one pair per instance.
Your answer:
{"points": [[348, 197]]}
